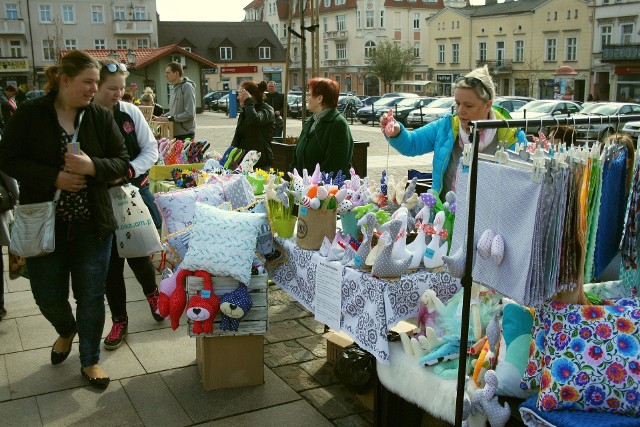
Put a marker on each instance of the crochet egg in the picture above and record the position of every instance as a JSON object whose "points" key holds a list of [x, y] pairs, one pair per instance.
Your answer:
{"points": [[497, 249], [484, 244], [344, 206], [315, 203]]}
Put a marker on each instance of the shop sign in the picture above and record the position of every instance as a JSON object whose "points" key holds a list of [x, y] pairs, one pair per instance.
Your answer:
{"points": [[209, 70], [239, 69], [627, 69], [444, 78], [14, 65], [272, 69]]}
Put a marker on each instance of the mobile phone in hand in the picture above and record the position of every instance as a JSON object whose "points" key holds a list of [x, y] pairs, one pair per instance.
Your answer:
{"points": [[73, 147]]}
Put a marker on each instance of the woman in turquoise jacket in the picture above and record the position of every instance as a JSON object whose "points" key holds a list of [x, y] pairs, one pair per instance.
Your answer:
{"points": [[446, 136]]}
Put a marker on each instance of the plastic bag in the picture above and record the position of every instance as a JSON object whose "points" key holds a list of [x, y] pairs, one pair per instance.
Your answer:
{"points": [[356, 368]]}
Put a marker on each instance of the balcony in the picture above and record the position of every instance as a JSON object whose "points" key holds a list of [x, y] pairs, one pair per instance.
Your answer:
{"points": [[12, 26], [619, 53], [335, 35], [336, 62], [497, 66], [133, 27]]}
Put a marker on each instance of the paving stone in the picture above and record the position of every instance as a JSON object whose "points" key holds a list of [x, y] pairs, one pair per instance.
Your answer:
{"points": [[296, 377], [294, 414], [88, 406], [10, 336], [280, 312], [285, 353], [148, 346], [20, 304], [5, 394], [278, 296], [154, 402], [312, 324], [140, 318], [203, 405], [20, 413], [317, 344], [287, 330], [320, 370], [355, 420], [334, 401], [16, 285]]}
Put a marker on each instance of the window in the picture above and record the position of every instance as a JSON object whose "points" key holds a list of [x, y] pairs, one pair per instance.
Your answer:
{"points": [[143, 43], [416, 49], [341, 50], [327, 3], [482, 51], [341, 22], [369, 19], [571, 49], [225, 53], [575, 15], [555, 16], [122, 44], [369, 48], [568, 14], [99, 44], [70, 44], [358, 19], [139, 13], [550, 50], [45, 15], [326, 51], [48, 53], [15, 48], [119, 14], [441, 53], [626, 33], [11, 11], [519, 51], [275, 29], [500, 52], [605, 36], [382, 19], [416, 21], [264, 52], [97, 15], [325, 24], [340, 2], [455, 53], [68, 14]]}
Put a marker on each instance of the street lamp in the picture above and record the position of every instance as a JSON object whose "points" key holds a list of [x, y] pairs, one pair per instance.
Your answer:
{"points": [[114, 55], [131, 58]]}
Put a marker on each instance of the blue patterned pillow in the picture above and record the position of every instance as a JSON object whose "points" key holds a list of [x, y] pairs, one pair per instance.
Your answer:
{"points": [[177, 206], [592, 359], [223, 243]]}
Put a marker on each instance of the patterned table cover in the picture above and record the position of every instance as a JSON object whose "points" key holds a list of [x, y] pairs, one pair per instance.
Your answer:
{"points": [[370, 306]]}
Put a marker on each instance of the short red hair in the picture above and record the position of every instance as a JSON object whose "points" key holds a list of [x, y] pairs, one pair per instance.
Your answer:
{"points": [[329, 89]]}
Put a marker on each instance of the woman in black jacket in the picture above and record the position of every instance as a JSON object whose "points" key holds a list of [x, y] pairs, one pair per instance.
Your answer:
{"points": [[256, 123], [34, 151]]}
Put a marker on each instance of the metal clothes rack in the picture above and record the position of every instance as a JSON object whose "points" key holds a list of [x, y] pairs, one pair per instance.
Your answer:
{"points": [[467, 278]]}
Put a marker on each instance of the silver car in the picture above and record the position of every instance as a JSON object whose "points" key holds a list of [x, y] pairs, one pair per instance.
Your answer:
{"points": [[432, 112], [632, 129], [601, 131], [544, 109]]}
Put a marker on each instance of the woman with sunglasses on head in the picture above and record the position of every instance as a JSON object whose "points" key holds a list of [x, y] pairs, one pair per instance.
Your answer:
{"points": [[34, 151], [446, 136], [143, 151]]}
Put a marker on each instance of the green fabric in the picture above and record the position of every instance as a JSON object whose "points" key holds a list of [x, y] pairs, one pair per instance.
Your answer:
{"points": [[504, 134], [593, 214], [330, 144]]}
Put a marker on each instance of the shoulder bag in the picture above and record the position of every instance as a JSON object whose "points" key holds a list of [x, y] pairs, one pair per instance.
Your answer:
{"points": [[6, 198], [33, 232]]}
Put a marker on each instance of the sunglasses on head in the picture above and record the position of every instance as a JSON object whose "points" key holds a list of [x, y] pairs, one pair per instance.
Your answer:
{"points": [[473, 82], [112, 68]]}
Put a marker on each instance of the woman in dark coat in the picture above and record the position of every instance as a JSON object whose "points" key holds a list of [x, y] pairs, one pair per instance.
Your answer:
{"points": [[325, 138], [256, 123]]}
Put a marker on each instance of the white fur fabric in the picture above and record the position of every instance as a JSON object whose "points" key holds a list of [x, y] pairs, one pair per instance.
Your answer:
{"points": [[421, 386]]}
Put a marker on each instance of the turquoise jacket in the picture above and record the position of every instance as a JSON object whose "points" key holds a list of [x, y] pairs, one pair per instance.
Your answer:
{"points": [[438, 137]]}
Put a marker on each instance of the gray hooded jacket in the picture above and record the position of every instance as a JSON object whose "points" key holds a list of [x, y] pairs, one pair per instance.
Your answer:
{"points": [[182, 106]]}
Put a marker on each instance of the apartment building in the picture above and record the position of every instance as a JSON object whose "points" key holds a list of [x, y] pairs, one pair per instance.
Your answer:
{"points": [[32, 33], [616, 51]]}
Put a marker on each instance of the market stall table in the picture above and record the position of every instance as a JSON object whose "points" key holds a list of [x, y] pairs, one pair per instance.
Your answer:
{"points": [[370, 306]]}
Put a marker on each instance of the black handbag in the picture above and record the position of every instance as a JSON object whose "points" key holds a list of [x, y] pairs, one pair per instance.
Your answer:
{"points": [[7, 201]]}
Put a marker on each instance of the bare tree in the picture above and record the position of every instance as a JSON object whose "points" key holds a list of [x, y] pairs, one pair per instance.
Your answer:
{"points": [[55, 37], [390, 62]]}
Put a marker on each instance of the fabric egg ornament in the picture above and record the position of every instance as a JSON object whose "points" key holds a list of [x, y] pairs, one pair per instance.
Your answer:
{"points": [[497, 249], [312, 191], [322, 192], [315, 203], [428, 199], [344, 206], [341, 195], [450, 197], [484, 244], [305, 201]]}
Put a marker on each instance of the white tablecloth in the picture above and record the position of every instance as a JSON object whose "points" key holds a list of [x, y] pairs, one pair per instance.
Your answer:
{"points": [[370, 306]]}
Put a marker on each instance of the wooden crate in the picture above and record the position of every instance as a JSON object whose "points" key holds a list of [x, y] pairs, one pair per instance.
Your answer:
{"points": [[147, 111], [162, 129], [256, 322]]}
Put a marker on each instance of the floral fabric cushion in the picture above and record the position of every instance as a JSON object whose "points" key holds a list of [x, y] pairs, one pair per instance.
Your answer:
{"points": [[223, 243], [537, 347], [592, 359]]}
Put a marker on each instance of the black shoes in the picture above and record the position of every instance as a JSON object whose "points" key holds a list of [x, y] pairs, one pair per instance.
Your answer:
{"points": [[99, 383], [57, 358]]}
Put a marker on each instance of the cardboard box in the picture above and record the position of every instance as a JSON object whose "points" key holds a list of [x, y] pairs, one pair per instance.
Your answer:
{"points": [[336, 341], [227, 362]]}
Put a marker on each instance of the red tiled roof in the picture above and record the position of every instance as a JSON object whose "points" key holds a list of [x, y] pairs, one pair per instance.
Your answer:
{"points": [[145, 57], [254, 4]]}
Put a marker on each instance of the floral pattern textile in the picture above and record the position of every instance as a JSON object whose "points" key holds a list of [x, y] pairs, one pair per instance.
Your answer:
{"points": [[592, 359]]}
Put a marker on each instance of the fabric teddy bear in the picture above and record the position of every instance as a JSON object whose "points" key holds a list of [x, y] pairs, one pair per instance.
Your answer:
{"points": [[485, 401], [234, 306], [202, 308]]}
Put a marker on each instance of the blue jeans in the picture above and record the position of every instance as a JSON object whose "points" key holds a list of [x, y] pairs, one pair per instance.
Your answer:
{"points": [[82, 254], [146, 195]]}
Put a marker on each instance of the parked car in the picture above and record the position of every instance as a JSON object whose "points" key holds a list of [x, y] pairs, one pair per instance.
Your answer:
{"points": [[211, 99], [404, 107], [436, 109], [600, 131], [370, 100], [370, 113], [544, 109], [511, 103], [294, 105], [348, 105], [33, 94], [223, 103], [402, 94], [632, 129]]}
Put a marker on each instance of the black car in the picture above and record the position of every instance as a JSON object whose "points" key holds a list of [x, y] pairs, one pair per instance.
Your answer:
{"points": [[348, 105], [404, 107], [211, 99]]}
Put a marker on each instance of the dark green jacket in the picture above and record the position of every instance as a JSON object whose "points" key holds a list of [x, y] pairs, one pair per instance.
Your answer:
{"points": [[330, 144]]}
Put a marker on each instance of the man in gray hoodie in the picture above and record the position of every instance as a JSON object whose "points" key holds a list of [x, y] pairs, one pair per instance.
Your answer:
{"points": [[182, 103]]}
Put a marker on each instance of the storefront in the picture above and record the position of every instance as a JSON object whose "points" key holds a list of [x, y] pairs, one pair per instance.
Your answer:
{"points": [[273, 73], [628, 83], [15, 72]]}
